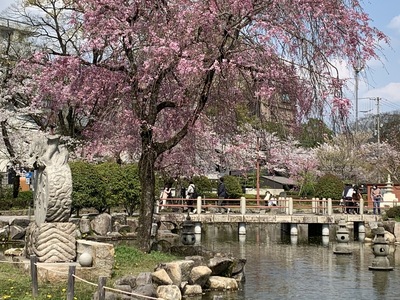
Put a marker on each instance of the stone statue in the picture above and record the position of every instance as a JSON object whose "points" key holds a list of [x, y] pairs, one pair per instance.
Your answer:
{"points": [[53, 180], [51, 237]]}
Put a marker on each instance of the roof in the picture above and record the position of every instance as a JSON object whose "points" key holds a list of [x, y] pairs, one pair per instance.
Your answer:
{"points": [[281, 180]]}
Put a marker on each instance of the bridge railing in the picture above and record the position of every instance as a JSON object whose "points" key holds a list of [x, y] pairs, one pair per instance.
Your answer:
{"points": [[284, 205]]}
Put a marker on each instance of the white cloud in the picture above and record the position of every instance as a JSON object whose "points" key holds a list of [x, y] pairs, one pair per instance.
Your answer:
{"points": [[390, 95], [395, 23]]}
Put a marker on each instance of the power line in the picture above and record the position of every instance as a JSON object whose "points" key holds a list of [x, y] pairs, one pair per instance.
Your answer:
{"points": [[391, 104]]}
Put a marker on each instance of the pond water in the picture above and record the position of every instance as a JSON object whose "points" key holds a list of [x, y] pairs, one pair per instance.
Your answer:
{"points": [[276, 268], [279, 268]]}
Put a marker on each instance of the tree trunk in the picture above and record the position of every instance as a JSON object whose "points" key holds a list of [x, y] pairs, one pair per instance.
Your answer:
{"points": [[147, 184], [6, 140]]}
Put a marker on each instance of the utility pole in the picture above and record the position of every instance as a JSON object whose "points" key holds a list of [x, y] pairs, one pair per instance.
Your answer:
{"points": [[378, 122], [357, 69], [378, 132], [258, 171]]}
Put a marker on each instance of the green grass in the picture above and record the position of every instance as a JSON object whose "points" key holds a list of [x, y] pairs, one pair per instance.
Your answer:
{"points": [[129, 260], [15, 284]]}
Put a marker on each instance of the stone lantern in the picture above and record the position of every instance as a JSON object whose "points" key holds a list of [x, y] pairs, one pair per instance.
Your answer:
{"points": [[380, 248], [188, 236], [342, 238]]}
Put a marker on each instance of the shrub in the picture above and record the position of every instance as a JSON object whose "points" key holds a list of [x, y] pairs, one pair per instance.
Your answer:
{"points": [[24, 200], [104, 185], [122, 185], [7, 202], [88, 189], [202, 184], [329, 186], [111, 177], [393, 212], [307, 185], [131, 190]]}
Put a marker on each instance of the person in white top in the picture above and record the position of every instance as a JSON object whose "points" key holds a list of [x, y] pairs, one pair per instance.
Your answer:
{"points": [[190, 196], [166, 193]]}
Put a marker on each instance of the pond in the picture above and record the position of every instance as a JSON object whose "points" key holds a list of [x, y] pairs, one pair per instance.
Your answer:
{"points": [[278, 269]]}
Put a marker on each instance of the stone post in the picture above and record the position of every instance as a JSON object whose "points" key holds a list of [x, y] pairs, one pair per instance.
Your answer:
{"points": [[242, 206], [293, 229], [361, 231], [314, 205], [330, 209], [242, 228], [198, 205]]}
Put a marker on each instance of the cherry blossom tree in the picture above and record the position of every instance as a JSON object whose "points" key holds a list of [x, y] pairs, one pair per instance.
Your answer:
{"points": [[41, 26], [355, 159], [165, 77], [14, 46]]}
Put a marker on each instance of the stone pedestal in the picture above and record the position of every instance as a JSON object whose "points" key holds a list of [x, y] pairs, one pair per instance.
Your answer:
{"points": [[102, 258], [51, 242], [102, 263]]}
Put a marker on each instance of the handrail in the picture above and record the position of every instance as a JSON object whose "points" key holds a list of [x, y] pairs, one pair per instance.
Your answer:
{"points": [[286, 205]]}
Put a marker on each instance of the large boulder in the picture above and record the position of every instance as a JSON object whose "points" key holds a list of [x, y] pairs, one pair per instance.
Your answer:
{"points": [[185, 267], [147, 290], [84, 226], [219, 283], [173, 270], [221, 265], [108, 296], [127, 280], [169, 292], [101, 224], [200, 275], [238, 266], [23, 222], [191, 290], [396, 231], [160, 277], [144, 278], [17, 232], [389, 237], [197, 259]]}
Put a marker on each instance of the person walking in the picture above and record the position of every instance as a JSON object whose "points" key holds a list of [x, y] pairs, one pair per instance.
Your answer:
{"points": [[222, 194], [190, 195], [376, 199]]}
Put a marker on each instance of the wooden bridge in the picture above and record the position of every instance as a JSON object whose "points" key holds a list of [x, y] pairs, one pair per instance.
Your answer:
{"points": [[286, 210], [318, 216]]}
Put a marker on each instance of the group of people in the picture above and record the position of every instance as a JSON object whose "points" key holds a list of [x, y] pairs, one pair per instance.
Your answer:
{"points": [[269, 199], [189, 194], [352, 196]]}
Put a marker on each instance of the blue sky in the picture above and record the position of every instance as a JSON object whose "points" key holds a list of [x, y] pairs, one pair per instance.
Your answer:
{"points": [[379, 78], [382, 79]]}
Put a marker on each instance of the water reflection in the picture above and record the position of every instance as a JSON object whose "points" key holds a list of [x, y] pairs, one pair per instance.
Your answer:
{"points": [[380, 281], [278, 268]]}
